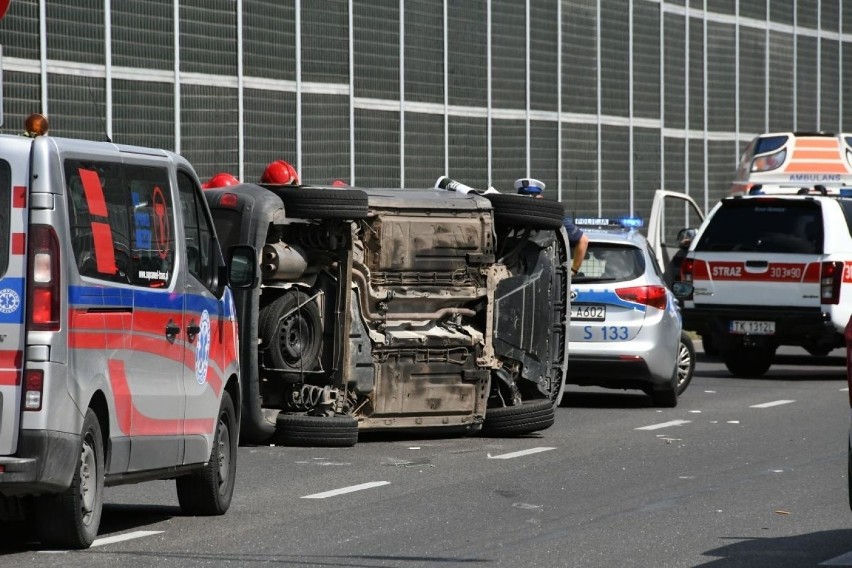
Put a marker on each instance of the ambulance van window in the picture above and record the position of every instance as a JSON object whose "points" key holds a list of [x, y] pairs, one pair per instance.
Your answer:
{"points": [[153, 234], [121, 219], [5, 213], [199, 235], [100, 232]]}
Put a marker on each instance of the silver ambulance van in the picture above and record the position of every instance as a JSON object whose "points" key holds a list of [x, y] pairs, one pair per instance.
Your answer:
{"points": [[118, 341]]}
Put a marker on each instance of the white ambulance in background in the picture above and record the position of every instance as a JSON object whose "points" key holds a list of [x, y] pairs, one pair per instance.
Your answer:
{"points": [[118, 340], [772, 264]]}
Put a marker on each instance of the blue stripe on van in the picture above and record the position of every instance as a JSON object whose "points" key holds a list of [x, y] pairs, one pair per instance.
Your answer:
{"points": [[79, 296], [12, 300]]}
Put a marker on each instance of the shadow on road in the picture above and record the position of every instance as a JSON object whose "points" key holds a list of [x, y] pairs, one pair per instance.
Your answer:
{"points": [[614, 399], [813, 549]]}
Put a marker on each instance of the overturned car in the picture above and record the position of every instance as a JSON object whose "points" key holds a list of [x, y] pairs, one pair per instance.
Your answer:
{"points": [[397, 309]]}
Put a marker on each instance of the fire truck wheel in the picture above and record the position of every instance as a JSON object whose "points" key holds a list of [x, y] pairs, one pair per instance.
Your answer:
{"points": [[320, 203], [339, 431], [520, 419], [208, 491], [525, 211], [71, 519]]}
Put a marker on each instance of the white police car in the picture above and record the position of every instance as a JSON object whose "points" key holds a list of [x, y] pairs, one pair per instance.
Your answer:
{"points": [[625, 330]]}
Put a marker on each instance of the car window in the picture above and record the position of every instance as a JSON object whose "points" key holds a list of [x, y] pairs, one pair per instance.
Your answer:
{"points": [[121, 222], [612, 262], [765, 225], [198, 232], [846, 207], [5, 213]]}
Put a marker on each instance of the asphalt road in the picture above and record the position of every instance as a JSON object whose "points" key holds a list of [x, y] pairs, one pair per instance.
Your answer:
{"points": [[743, 473]]}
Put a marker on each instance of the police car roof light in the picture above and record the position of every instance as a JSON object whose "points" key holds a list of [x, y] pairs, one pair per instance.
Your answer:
{"points": [[624, 222], [756, 189], [846, 192]]}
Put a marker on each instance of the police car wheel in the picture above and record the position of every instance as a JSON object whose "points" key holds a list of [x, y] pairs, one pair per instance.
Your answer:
{"points": [[320, 203], [71, 518], [525, 211], [685, 362], [290, 329], [524, 418], [207, 491], [748, 363], [339, 431]]}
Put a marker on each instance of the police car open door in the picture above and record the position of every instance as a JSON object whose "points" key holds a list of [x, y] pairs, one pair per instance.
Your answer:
{"points": [[671, 213]]}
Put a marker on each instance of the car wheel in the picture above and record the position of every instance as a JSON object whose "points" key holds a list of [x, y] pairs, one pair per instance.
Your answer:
{"points": [[748, 363], [685, 362], [71, 518], [291, 331], [818, 351], [208, 491], [318, 203], [708, 345], [339, 431], [511, 209], [520, 419]]}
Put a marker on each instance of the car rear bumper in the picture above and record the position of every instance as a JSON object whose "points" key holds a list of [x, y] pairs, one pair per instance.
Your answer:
{"points": [[44, 463], [793, 326], [617, 372]]}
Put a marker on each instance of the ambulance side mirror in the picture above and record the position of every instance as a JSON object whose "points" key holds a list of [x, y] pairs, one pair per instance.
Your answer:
{"points": [[242, 267]]}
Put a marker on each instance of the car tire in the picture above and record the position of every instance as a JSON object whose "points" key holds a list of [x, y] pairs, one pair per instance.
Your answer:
{"points": [[71, 519], [685, 362], [748, 363], [319, 203], [708, 345], [292, 340], [208, 491], [339, 431], [520, 419], [522, 210]]}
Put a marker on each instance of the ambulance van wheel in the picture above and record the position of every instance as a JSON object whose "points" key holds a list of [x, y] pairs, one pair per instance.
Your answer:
{"points": [[339, 431], [71, 518], [319, 203], [748, 363], [207, 491], [511, 209], [520, 419]]}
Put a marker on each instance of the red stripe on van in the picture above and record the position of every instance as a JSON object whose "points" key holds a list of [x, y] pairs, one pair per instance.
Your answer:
{"points": [[19, 197], [11, 363], [775, 272], [19, 243], [104, 252], [127, 414], [94, 192]]}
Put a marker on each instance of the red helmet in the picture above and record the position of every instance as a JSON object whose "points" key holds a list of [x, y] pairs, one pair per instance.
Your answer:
{"points": [[280, 172], [222, 179], [339, 183]]}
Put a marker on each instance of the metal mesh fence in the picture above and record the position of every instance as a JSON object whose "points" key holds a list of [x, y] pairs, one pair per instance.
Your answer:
{"points": [[680, 129]]}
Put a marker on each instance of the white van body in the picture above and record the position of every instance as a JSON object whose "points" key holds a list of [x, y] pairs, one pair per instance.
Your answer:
{"points": [[118, 343]]}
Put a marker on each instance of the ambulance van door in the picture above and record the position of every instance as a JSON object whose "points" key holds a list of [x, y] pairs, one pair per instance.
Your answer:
{"points": [[14, 169], [209, 330], [155, 362]]}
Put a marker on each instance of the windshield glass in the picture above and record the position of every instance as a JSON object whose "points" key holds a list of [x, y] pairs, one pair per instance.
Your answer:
{"points": [[611, 262], [765, 225]]}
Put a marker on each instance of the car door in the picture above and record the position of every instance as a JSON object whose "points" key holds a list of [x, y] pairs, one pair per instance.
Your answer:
{"points": [[671, 211], [207, 329]]}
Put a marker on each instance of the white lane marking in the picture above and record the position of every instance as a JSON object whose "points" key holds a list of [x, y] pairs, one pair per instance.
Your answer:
{"points": [[771, 404], [343, 490], [842, 560], [844, 389], [123, 537], [733, 422], [664, 424], [520, 453]]}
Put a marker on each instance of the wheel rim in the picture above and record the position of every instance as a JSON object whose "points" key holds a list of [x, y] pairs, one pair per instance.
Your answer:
{"points": [[684, 362], [295, 337], [223, 450], [88, 479]]}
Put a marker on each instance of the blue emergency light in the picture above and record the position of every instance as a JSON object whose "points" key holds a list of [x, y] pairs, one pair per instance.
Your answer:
{"points": [[846, 192], [624, 222]]}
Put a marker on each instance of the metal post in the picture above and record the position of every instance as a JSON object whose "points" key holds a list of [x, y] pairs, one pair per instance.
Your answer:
{"points": [[630, 104], [351, 94], [42, 44], [176, 18], [446, 93], [559, 100], [489, 118], [599, 106], [402, 93], [108, 68], [527, 81], [299, 87], [241, 126]]}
